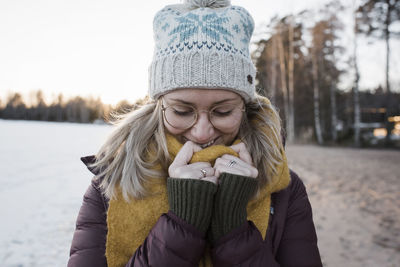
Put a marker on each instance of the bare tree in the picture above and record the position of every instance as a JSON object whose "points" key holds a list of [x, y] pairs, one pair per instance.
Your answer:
{"points": [[273, 69], [282, 65], [356, 97], [299, 66], [317, 120], [375, 18], [291, 131], [334, 120], [277, 58], [266, 56], [286, 63], [333, 25]]}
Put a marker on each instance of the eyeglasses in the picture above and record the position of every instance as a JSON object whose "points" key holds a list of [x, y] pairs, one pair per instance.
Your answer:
{"points": [[223, 117]]}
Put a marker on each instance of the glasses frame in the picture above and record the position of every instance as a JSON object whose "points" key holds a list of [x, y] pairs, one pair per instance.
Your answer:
{"points": [[197, 112]]}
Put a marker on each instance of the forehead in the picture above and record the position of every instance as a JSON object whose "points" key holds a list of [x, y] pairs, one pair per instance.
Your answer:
{"points": [[202, 97]]}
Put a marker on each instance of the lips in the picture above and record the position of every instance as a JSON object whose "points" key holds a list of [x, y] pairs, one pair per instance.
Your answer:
{"points": [[204, 145]]}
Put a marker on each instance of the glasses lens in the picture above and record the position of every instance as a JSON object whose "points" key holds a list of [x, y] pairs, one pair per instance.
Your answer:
{"points": [[180, 116], [225, 117]]}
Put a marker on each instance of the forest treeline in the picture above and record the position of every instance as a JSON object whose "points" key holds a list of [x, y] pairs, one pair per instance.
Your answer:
{"points": [[75, 109], [301, 63]]}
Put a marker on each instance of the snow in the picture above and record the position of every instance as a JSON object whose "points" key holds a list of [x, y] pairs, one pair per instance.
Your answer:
{"points": [[42, 184]]}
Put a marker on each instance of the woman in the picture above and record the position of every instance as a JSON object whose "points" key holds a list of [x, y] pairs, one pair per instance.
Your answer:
{"points": [[198, 176]]}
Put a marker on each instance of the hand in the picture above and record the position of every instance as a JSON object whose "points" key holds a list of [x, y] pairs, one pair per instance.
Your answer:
{"points": [[181, 169], [234, 165]]}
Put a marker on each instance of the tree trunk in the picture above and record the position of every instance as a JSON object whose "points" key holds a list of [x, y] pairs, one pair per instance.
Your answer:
{"points": [[274, 65], [283, 78], [387, 40], [333, 112], [357, 115], [388, 91], [317, 121], [291, 130]]}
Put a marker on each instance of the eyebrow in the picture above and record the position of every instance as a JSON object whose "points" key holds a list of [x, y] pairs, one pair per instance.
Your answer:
{"points": [[190, 103]]}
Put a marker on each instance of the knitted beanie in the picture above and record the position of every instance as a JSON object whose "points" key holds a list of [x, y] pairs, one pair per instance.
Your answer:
{"points": [[202, 44]]}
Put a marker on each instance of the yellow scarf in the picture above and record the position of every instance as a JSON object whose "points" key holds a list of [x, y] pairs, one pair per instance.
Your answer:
{"points": [[129, 223]]}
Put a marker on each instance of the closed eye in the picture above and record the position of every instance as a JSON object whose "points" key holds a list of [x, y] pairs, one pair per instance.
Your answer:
{"points": [[183, 112], [222, 113]]}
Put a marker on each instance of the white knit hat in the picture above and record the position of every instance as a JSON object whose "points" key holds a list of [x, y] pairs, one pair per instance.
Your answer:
{"points": [[202, 44]]}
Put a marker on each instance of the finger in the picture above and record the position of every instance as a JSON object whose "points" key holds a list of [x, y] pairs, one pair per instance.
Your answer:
{"points": [[198, 165], [227, 159], [243, 153], [231, 162], [237, 171], [241, 168], [185, 154], [184, 172], [210, 171], [190, 171]]}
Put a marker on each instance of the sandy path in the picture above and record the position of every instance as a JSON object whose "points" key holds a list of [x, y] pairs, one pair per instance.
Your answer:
{"points": [[355, 196]]}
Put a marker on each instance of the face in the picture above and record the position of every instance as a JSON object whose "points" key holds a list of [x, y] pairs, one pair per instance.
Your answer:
{"points": [[203, 132]]}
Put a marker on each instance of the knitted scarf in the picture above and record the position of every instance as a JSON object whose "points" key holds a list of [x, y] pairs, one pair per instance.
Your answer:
{"points": [[129, 223]]}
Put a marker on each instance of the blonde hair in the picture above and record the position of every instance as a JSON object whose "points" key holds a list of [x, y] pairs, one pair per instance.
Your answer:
{"points": [[124, 159]]}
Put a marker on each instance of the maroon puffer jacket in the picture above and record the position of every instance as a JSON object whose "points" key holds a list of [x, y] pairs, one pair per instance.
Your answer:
{"points": [[291, 239]]}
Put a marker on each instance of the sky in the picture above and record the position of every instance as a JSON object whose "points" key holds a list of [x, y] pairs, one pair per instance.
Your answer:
{"points": [[103, 48]]}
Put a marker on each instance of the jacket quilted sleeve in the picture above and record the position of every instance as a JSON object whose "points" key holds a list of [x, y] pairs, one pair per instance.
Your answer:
{"points": [[88, 243], [293, 243], [171, 242], [298, 244]]}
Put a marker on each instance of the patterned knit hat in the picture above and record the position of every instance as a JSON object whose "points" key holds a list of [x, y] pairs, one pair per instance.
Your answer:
{"points": [[202, 44]]}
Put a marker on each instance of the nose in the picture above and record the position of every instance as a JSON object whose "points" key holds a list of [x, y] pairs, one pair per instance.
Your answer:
{"points": [[202, 130]]}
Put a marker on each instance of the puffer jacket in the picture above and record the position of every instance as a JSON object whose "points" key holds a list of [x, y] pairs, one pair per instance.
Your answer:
{"points": [[290, 240]]}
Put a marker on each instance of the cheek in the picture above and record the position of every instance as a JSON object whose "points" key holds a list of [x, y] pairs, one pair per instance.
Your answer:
{"points": [[231, 136], [172, 130]]}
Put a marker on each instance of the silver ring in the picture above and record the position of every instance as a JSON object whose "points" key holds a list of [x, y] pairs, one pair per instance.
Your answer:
{"points": [[204, 173], [231, 163]]}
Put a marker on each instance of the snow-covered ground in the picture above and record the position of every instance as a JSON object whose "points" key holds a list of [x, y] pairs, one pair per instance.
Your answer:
{"points": [[42, 182]]}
